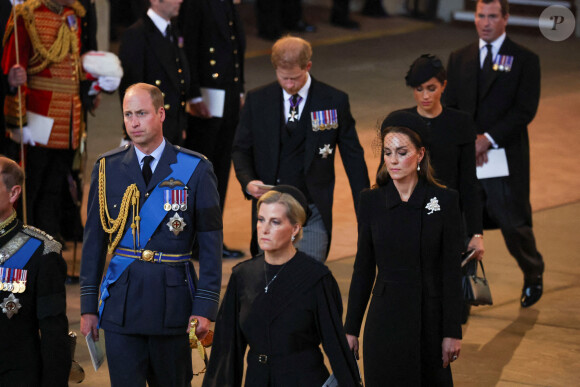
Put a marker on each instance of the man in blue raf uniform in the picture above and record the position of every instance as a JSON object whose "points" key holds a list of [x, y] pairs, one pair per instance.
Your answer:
{"points": [[148, 202], [33, 324]]}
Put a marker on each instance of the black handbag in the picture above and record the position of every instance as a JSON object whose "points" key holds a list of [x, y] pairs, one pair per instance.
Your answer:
{"points": [[475, 289]]}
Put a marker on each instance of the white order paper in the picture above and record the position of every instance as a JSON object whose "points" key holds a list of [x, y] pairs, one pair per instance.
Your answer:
{"points": [[96, 350], [214, 100], [40, 127], [496, 165]]}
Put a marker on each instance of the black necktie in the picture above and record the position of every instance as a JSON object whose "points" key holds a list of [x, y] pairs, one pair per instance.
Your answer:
{"points": [[169, 32], [147, 173], [487, 62]]}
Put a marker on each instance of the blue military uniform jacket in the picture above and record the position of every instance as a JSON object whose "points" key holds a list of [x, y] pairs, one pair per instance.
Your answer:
{"points": [[154, 298]]}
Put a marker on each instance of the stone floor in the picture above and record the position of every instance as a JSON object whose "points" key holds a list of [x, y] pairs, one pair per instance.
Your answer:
{"points": [[503, 344]]}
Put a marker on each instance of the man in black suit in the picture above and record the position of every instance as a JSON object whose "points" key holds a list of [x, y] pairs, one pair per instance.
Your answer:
{"points": [[151, 51], [288, 134], [498, 82], [215, 43]]}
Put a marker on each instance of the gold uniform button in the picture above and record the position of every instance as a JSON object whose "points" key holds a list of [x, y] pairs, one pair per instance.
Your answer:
{"points": [[182, 103], [166, 106], [179, 71], [231, 23], [235, 51], [215, 75], [212, 62], [158, 82], [237, 65], [163, 94], [233, 37], [236, 79], [182, 81], [212, 50]]}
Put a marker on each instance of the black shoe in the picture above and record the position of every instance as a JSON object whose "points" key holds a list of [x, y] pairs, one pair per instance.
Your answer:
{"points": [[302, 26], [349, 24], [232, 254], [532, 291]]}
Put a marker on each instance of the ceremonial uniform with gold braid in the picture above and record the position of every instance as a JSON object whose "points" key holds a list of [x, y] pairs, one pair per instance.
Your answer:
{"points": [[34, 339], [49, 49], [152, 295]]}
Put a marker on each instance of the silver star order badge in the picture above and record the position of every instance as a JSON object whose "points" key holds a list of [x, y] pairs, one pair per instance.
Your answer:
{"points": [[176, 224], [433, 206], [326, 151], [10, 305]]}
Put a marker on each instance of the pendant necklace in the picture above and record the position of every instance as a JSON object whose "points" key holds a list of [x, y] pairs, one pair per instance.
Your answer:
{"points": [[268, 283]]}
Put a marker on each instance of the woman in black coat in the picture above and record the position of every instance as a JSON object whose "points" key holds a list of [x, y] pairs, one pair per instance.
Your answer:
{"points": [[281, 304], [410, 228], [452, 146]]}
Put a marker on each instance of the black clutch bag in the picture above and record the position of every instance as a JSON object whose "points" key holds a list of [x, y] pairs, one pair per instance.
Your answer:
{"points": [[475, 288]]}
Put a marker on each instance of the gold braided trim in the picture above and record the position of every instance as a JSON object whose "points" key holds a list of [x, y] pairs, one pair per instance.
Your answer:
{"points": [[112, 226], [58, 85], [66, 41]]}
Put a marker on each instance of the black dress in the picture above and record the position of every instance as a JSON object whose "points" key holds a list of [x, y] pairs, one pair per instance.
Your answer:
{"points": [[452, 155], [416, 301], [283, 328]]}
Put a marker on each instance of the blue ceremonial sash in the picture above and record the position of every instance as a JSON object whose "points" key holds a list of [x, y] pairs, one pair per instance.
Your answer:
{"points": [[152, 213], [19, 259]]}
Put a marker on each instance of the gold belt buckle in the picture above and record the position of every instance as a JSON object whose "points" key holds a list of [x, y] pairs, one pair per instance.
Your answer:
{"points": [[147, 255]]}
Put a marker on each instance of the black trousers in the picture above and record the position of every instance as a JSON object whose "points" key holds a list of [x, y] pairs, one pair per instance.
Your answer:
{"points": [[276, 15], [47, 172], [134, 360], [214, 138], [513, 215]]}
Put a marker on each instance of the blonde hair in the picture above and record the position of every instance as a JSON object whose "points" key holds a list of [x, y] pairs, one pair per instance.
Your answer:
{"points": [[294, 210]]}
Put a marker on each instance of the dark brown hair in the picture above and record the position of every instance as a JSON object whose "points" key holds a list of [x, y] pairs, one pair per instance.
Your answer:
{"points": [[426, 171], [505, 7]]}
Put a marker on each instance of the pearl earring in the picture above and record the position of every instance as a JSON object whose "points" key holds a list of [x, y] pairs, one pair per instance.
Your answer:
{"points": [[418, 167], [293, 238]]}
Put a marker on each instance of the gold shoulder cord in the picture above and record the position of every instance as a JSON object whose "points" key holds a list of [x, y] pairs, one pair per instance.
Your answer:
{"points": [[111, 226], [65, 43]]}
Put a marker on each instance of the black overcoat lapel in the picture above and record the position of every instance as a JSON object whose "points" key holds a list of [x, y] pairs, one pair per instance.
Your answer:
{"points": [[272, 121]]}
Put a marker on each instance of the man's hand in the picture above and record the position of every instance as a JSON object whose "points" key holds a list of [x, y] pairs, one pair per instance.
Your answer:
{"points": [[89, 322], [254, 190], [199, 110], [16, 76], [476, 244], [482, 145], [202, 326], [25, 137]]}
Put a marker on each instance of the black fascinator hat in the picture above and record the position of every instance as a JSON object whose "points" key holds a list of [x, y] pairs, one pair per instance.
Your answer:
{"points": [[296, 194], [424, 68], [401, 118]]}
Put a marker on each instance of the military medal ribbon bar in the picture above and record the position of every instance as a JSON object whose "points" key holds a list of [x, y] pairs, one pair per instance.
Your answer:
{"points": [[324, 120]]}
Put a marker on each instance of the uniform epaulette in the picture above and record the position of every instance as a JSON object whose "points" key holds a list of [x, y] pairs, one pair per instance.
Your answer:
{"points": [[50, 244], [190, 152], [114, 151]]}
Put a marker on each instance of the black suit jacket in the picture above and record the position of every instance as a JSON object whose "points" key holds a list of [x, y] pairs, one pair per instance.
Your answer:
{"points": [[256, 152], [215, 59], [508, 104], [147, 56]]}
